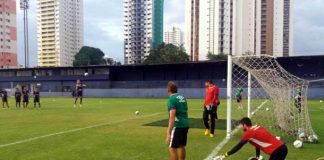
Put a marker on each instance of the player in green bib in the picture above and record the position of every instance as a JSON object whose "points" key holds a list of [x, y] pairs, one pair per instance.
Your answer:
{"points": [[238, 94], [178, 126]]}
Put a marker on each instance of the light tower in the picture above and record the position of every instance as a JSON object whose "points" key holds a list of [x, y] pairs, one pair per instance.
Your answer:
{"points": [[25, 6]]}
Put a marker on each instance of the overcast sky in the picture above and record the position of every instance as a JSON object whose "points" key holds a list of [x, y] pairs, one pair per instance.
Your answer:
{"points": [[103, 26]]}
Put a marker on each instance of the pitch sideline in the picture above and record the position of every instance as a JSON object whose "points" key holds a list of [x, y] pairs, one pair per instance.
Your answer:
{"points": [[226, 140]]}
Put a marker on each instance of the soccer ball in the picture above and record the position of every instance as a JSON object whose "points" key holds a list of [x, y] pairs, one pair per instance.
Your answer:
{"points": [[313, 139], [86, 74], [298, 144], [253, 113], [267, 109], [302, 136], [321, 101], [137, 112]]}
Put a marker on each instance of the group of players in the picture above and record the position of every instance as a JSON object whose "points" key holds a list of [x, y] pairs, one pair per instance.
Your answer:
{"points": [[178, 126], [24, 94]]}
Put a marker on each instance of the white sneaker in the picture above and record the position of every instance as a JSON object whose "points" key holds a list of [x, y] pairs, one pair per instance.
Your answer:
{"points": [[74, 106], [80, 105]]}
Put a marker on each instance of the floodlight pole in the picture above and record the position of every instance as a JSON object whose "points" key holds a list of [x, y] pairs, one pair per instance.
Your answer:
{"points": [[229, 96], [25, 6], [249, 95]]}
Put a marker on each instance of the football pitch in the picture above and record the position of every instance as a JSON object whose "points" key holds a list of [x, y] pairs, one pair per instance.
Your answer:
{"points": [[108, 129]]}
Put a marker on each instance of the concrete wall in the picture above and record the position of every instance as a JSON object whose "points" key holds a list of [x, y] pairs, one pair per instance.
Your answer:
{"points": [[313, 93]]}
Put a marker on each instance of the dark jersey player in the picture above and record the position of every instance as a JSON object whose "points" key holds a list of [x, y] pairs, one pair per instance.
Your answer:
{"points": [[79, 92], [262, 140], [178, 126], [36, 98], [25, 93], [4, 95], [18, 98], [210, 107]]}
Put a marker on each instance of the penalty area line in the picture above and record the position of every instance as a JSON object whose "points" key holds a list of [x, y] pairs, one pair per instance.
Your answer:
{"points": [[73, 130], [226, 140]]}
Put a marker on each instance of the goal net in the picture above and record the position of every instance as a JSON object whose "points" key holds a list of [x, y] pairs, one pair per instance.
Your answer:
{"points": [[271, 96]]}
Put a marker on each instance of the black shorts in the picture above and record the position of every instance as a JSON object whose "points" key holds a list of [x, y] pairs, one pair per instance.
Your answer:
{"points": [[211, 111], [79, 94], [4, 99], [280, 153], [25, 99], [18, 99], [239, 99], [178, 137], [36, 99]]}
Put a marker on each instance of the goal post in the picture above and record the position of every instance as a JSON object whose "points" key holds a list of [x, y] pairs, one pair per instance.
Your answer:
{"points": [[271, 96], [229, 96]]}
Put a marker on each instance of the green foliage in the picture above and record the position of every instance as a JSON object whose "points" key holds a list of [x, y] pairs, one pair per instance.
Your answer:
{"points": [[112, 62], [89, 56], [167, 53], [216, 57]]}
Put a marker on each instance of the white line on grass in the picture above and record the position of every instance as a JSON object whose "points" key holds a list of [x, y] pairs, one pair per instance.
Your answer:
{"points": [[226, 140], [73, 130]]}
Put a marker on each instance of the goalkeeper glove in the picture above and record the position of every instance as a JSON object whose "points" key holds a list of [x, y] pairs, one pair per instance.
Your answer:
{"points": [[221, 157], [226, 154]]}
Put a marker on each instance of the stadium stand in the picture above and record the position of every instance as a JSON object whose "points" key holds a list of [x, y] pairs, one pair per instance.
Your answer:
{"points": [[188, 75]]}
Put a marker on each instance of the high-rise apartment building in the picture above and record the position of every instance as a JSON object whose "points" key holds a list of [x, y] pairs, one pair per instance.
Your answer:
{"points": [[215, 27], [208, 27], [173, 36], [8, 34], [192, 11], [264, 27], [237, 27], [143, 28], [59, 31]]}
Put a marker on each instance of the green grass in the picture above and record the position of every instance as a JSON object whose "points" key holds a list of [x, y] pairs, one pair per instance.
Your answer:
{"points": [[124, 135]]}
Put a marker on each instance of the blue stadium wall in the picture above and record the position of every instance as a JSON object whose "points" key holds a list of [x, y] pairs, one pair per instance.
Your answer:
{"points": [[147, 80]]}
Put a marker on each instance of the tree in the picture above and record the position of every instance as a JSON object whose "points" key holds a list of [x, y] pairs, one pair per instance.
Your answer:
{"points": [[111, 62], [167, 53], [216, 57], [89, 56]]}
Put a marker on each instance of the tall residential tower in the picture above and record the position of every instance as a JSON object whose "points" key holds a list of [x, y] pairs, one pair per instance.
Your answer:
{"points": [[208, 27], [238, 27], [264, 27], [173, 36], [59, 31], [143, 28], [8, 34], [192, 11]]}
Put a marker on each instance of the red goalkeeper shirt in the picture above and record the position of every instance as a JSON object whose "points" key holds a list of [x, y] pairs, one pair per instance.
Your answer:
{"points": [[212, 93], [262, 139]]}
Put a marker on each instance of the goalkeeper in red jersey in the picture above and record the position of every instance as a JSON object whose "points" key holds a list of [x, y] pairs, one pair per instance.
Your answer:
{"points": [[261, 139]]}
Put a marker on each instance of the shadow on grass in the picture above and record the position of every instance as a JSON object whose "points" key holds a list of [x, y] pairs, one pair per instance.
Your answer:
{"points": [[194, 123]]}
